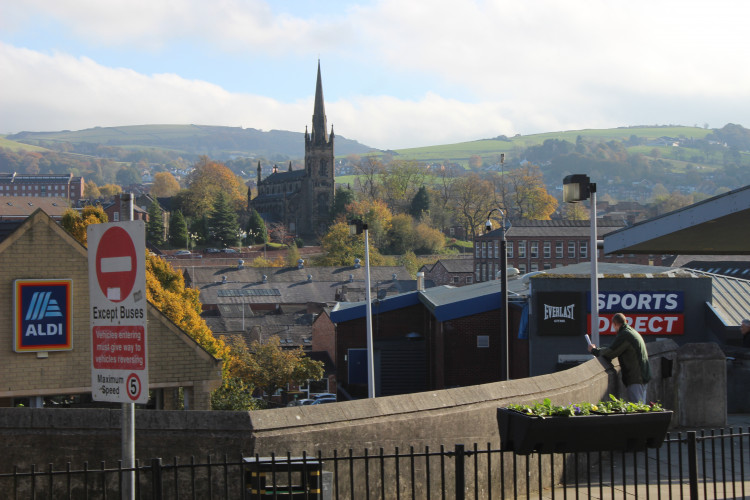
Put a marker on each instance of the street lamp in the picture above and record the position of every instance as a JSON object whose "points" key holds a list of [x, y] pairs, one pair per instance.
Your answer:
{"points": [[356, 226], [578, 187], [505, 368]]}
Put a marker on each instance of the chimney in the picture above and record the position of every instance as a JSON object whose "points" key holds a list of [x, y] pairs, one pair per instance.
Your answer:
{"points": [[420, 281], [126, 206]]}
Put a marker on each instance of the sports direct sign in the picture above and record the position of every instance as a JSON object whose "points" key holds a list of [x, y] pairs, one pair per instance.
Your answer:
{"points": [[43, 318], [117, 290], [651, 313]]}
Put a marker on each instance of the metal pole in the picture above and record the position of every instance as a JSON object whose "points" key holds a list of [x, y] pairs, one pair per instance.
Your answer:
{"points": [[128, 409], [370, 348], [504, 321], [594, 271]]}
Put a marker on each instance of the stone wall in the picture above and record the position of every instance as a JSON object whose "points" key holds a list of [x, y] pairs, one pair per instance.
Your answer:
{"points": [[465, 415]]}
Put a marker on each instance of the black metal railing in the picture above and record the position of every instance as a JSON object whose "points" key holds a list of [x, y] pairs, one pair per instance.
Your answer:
{"points": [[704, 464]]}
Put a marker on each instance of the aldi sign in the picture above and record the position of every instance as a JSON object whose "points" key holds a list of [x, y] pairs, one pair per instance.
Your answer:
{"points": [[43, 315]]}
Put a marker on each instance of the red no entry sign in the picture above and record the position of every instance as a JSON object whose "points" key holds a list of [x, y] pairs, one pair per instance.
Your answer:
{"points": [[116, 264]]}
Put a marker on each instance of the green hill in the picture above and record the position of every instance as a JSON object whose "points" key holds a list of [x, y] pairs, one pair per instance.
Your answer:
{"points": [[461, 152], [219, 143]]}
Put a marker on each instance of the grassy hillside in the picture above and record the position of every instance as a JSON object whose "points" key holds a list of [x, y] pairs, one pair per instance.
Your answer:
{"points": [[18, 146], [461, 152], [217, 142]]}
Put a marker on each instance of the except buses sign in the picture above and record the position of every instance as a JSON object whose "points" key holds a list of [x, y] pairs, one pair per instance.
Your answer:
{"points": [[117, 291]]}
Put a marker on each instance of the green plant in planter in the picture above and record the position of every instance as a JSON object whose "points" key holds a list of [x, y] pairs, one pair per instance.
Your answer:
{"points": [[614, 405]]}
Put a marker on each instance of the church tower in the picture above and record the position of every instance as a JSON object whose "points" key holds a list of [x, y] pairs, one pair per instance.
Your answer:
{"points": [[319, 169]]}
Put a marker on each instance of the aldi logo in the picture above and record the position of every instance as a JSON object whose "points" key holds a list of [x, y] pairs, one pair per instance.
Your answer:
{"points": [[43, 315]]}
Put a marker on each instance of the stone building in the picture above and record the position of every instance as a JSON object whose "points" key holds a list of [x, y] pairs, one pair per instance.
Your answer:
{"points": [[302, 199], [65, 186]]}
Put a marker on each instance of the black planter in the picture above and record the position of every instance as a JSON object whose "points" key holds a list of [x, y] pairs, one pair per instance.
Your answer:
{"points": [[525, 434]]}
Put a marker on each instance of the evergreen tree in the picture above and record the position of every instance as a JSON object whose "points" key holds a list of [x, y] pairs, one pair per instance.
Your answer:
{"points": [[155, 225], [223, 222], [178, 233], [420, 203], [341, 199], [256, 228]]}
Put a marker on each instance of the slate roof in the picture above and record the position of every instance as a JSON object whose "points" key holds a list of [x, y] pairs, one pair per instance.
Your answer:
{"points": [[456, 265], [20, 207], [285, 176], [292, 285], [553, 228]]}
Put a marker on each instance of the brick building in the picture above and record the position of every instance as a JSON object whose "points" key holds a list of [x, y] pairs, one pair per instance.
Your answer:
{"points": [[65, 186], [454, 272], [39, 250], [546, 244]]}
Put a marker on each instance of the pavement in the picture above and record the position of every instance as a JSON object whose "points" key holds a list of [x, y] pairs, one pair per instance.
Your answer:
{"points": [[726, 476]]}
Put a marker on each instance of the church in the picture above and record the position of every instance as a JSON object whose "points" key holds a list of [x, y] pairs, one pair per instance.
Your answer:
{"points": [[302, 199]]}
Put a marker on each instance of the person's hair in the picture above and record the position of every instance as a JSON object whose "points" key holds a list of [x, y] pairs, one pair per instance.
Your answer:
{"points": [[619, 318], [746, 322]]}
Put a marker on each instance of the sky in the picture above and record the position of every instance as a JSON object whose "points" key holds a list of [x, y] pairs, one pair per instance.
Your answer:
{"points": [[396, 74]]}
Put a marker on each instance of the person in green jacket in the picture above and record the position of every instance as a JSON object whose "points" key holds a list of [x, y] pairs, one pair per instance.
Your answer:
{"points": [[630, 349]]}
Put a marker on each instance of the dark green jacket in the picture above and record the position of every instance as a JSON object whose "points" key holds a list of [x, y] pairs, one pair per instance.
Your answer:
{"points": [[630, 349]]}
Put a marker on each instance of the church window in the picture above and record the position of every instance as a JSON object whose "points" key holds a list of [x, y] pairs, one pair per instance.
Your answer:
{"points": [[323, 167]]}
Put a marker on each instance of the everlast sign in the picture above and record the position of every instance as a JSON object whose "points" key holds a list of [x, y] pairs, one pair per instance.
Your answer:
{"points": [[561, 313], [43, 315]]}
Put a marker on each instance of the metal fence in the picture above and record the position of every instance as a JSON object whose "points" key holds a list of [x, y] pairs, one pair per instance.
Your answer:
{"points": [[705, 464]]}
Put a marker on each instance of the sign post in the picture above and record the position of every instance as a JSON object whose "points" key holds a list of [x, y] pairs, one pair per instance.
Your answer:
{"points": [[119, 350]]}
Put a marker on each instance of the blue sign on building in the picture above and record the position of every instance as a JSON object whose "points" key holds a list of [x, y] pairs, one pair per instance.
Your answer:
{"points": [[43, 315]]}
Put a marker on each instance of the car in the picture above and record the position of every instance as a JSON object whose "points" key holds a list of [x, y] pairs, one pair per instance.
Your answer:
{"points": [[322, 401], [212, 250], [301, 402], [182, 252], [229, 250], [323, 395]]}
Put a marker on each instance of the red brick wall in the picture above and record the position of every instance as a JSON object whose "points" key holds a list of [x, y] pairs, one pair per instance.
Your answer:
{"points": [[324, 336]]}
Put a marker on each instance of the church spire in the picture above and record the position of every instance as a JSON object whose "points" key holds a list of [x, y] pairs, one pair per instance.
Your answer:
{"points": [[319, 133]]}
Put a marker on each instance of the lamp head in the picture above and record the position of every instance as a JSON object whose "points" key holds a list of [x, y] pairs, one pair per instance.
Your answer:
{"points": [[576, 187], [488, 226]]}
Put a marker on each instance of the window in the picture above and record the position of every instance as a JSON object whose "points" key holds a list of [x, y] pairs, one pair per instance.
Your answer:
{"points": [[571, 249], [509, 249], [497, 249], [476, 272], [116, 217], [534, 267], [483, 341], [454, 279], [584, 249], [547, 249], [452, 231], [534, 250], [476, 247], [484, 249], [521, 249], [484, 271], [559, 249], [521, 268], [547, 265], [469, 281]]}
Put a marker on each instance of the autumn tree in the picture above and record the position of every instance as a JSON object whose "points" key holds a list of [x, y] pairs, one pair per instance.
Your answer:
{"points": [[205, 182], [377, 216], [109, 191], [575, 211], [91, 190], [292, 255], [269, 367], [401, 180], [76, 222], [368, 171], [528, 198], [473, 198], [165, 185], [340, 248]]}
